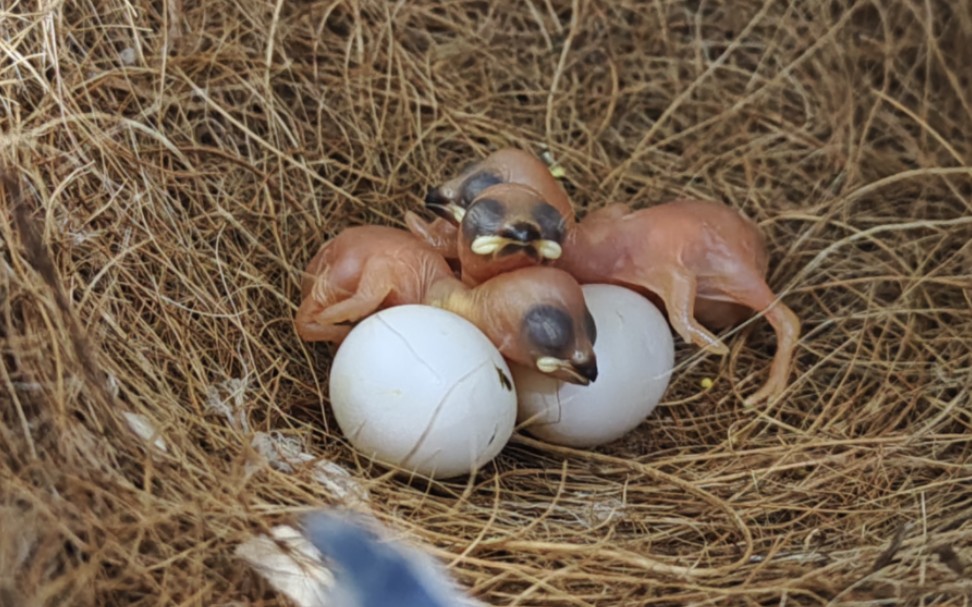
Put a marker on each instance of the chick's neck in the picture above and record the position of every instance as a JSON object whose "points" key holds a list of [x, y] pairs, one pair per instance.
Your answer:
{"points": [[588, 253], [479, 305], [449, 293]]}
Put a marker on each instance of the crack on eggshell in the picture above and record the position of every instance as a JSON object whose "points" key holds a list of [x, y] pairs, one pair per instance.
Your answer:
{"points": [[560, 407], [408, 345], [438, 409]]}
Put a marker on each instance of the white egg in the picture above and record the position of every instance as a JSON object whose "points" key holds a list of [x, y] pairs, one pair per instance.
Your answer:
{"points": [[424, 390], [635, 355]]}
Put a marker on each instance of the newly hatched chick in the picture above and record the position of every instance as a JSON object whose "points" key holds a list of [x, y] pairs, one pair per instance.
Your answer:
{"points": [[520, 186], [508, 226], [360, 271], [537, 319], [507, 165], [705, 262], [372, 572], [537, 312]]}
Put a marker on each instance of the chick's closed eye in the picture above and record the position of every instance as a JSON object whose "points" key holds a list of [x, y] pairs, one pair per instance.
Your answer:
{"points": [[548, 328], [475, 184], [551, 222], [485, 217]]}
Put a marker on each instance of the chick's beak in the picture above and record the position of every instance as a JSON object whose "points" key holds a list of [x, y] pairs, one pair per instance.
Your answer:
{"points": [[434, 197], [440, 204], [581, 372], [542, 249], [586, 368]]}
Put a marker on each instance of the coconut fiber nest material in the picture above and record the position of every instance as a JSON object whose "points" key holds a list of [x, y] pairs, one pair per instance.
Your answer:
{"points": [[179, 163]]}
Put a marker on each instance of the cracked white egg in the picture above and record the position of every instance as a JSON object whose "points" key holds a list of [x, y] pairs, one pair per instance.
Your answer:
{"points": [[635, 355], [424, 390]]}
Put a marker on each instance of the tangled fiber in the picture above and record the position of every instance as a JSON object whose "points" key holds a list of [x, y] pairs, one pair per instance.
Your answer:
{"points": [[170, 167]]}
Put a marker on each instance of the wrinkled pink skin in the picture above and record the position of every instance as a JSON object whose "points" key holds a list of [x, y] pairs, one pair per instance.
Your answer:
{"points": [[440, 234], [703, 261], [700, 262], [368, 268], [501, 303], [362, 270]]}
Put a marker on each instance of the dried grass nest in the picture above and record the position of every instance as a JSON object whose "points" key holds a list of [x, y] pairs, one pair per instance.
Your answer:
{"points": [[180, 162]]}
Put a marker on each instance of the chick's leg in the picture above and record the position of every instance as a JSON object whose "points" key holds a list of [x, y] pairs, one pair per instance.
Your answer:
{"points": [[372, 291], [323, 314], [318, 292], [310, 330], [308, 326], [751, 290], [676, 287], [440, 234]]}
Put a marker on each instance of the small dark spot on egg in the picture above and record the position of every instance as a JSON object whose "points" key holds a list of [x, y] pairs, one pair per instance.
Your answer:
{"points": [[493, 437], [505, 380]]}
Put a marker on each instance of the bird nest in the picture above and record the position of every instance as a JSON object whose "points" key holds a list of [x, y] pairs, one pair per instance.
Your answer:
{"points": [[179, 163]]}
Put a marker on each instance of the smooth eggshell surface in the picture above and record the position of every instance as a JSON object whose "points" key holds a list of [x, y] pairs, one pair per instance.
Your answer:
{"points": [[635, 355], [423, 389]]}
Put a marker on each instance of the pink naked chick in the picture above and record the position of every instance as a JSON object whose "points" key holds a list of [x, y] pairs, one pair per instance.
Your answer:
{"points": [[506, 165], [535, 316], [508, 226], [482, 179], [703, 260]]}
